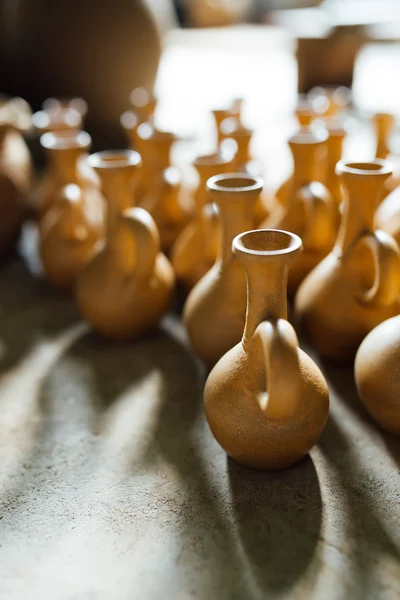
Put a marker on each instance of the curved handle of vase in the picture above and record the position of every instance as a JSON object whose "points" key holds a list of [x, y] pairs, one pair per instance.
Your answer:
{"points": [[320, 226], [147, 241], [283, 376], [386, 256]]}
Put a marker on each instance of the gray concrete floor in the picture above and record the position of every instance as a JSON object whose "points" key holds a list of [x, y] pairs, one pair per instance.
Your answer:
{"points": [[112, 487]]}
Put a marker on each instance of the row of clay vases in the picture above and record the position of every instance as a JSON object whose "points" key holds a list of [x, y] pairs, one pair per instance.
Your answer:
{"points": [[310, 211], [265, 400], [15, 172], [196, 249], [126, 287], [357, 285], [72, 220]]}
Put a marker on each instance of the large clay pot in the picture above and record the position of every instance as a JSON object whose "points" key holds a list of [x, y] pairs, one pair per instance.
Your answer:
{"points": [[310, 211], [15, 178], [266, 401], [100, 51], [74, 223], [377, 372], [196, 249], [215, 310], [357, 285], [125, 289]]}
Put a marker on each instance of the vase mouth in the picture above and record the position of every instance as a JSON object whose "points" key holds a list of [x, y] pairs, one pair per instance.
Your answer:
{"points": [[223, 157], [367, 168], [114, 159], [314, 134], [235, 182], [266, 243], [66, 103], [66, 140], [129, 120], [147, 131], [57, 120], [232, 127]]}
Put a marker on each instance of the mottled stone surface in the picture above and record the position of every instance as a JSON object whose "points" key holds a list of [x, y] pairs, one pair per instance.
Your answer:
{"points": [[112, 487]]}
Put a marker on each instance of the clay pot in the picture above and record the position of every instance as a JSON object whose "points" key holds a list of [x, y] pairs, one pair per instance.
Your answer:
{"points": [[310, 211], [384, 124], [73, 37], [357, 285], [127, 286], [74, 222], [215, 310], [377, 372], [266, 401], [387, 216], [15, 177], [196, 249], [161, 192], [336, 137], [243, 163]]}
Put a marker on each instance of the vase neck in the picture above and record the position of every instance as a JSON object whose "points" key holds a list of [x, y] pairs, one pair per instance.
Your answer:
{"points": [[117, 188], [236, 216], [65, 164], [307, 160]]}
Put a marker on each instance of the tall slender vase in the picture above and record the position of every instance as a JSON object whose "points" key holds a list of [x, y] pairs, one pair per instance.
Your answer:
{"points": [[266, 401], [126, 288], [215, 310], [357, 285], [335, 141]]}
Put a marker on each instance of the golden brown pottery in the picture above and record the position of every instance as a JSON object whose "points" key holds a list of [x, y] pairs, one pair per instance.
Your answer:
{"points": [[384, 124], [15, 175], [357, 285], [336, 137], [221, 114], [74, 223], [387, 216], [310, 211], [127, 286], [215, 310], [377, 372], [196, 249], [337, 98], [144, 104], [266, 401]]}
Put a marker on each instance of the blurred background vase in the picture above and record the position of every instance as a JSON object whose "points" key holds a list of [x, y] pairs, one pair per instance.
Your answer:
{"points": [[99, 51]]}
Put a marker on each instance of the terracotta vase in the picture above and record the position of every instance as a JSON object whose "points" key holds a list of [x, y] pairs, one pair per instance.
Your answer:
{"points": [[72, 37], [160, 185], [384, 124], [58, 173], [377, 372], [127, 286], [232, 128], [336, 137], [196, 249], [357, 285], [266, 401], [215, 310], [74, 223], [15, 177], [387, 216], [310, 211]]}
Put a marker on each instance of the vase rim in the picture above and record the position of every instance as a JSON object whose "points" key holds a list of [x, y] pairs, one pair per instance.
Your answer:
{"points": [[316, 133], [114, 159], [378, 166], [64, 118], [222, 157], [277, 242], [235, 182], [66, 139]]}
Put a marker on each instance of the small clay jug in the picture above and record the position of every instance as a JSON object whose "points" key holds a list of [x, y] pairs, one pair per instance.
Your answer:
{"points": [[357, 285], [377, 373], [387, 216], [15, 176], [384, 124], [215, 310], [196, 249], [125, 289], [265, 400], [243, 162], [310, 211], [336, 137], [164, 198], [74, 223]]}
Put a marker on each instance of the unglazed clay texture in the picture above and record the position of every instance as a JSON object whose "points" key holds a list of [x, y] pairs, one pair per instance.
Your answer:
{"points": [[265, 400]]}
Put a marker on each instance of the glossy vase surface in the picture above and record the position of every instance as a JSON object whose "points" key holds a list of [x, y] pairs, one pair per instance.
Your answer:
{"points": [[377, 373], [127, 286], [357, 285], [74, 223], [310, 211], [196, 249], [265, 400], [215, 310]]}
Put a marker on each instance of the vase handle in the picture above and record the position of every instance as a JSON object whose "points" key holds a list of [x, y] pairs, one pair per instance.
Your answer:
{"points": [[283, 376], [147, 241], [386, 256]]}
